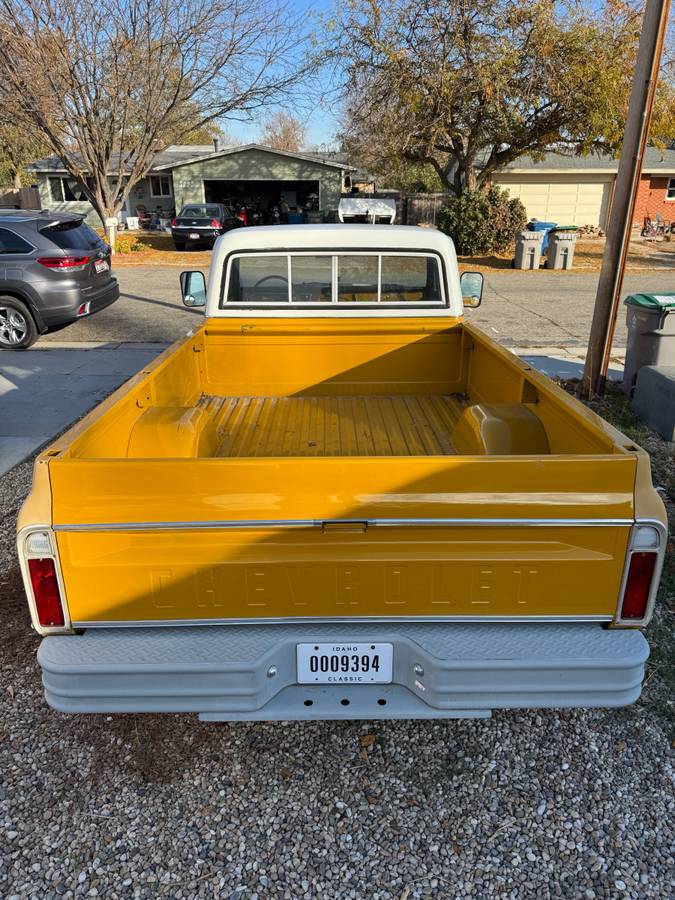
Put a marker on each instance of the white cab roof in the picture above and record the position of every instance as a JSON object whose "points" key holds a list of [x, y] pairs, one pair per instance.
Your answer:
{"points": [[334, 237], [337, 238]]}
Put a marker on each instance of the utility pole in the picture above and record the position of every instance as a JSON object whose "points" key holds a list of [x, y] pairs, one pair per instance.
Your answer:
{"points": [[623, 206]]}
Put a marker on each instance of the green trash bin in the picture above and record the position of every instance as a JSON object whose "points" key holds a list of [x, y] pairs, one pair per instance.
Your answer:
{"points": [[650, 319]]}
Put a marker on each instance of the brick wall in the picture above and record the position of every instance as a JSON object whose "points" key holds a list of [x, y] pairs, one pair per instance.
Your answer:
{"points": [[651, 199]]}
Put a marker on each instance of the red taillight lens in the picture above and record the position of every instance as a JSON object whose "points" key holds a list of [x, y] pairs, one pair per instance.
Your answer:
{"points": [[46, 592], [174, 222], [64, 262], [215, 223], [638, 583]]}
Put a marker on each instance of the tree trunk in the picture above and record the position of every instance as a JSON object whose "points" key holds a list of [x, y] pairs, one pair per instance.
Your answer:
{"points": [[105, 210], [17, 180], [470, 182]]}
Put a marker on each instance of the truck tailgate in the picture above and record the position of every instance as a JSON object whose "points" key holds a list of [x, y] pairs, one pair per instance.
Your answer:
{"points": [[269, 538]]}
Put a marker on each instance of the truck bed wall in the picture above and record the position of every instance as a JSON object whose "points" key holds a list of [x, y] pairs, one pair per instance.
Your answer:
{"points": [[323, 358], [282, 358]]}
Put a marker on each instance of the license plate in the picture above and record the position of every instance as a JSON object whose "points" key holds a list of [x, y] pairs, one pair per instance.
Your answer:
{"points": [[100, 265], [345, 663], [194, 235]]}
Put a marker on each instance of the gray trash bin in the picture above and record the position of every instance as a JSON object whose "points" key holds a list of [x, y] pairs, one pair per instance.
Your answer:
{"points": [[528, 250], [561, 249], [654, 399], [650, 319]]}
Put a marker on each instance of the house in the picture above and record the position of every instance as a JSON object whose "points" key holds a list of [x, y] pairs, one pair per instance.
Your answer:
{"points": [[251, 174], [568, 190], [578, 190]]}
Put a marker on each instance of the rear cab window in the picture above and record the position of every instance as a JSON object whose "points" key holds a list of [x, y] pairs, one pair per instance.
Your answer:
{"points": [[344, 279], [72, 236]]}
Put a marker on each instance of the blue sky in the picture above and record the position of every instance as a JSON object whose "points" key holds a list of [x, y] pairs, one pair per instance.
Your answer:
{"points": [[319, 118]]}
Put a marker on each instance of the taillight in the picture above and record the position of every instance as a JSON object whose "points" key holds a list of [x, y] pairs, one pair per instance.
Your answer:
{"points": [[215, 223], [174, 222], [69, 263], [46, 592], [42, 580], [638, 584], [645, 557]]}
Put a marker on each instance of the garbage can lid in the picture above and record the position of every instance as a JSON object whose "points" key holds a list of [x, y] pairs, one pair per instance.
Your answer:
{"points": [[541, 226], [652, 301], [566, 227]]}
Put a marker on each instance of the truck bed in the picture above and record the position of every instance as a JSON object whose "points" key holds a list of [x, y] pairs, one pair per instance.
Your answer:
{"points": [[267, 470], [413, 425]]}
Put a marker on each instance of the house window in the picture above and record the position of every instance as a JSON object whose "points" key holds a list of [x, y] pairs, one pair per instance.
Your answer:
{"points": [[670, 190], [160, 186], [66, 189]]}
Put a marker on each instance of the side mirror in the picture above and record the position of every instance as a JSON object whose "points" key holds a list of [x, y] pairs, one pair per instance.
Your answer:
{"points": [[193, 288], [471, 284]]}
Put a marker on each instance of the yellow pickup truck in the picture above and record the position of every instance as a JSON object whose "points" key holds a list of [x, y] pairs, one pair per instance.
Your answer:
{"points": [[336, 498]]}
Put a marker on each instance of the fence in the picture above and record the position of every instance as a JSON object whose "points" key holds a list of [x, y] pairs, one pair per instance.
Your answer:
{"points": [[411, 209], [422, 209], [23, 198]]}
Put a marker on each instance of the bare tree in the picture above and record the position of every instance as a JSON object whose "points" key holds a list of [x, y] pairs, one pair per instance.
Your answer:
{"points": [[107, 84], [284, 132]]}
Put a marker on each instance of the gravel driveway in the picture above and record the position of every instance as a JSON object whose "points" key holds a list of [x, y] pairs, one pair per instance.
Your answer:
{"points": [[556, 804]]}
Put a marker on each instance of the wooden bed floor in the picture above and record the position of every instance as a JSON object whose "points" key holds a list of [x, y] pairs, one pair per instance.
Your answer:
{"points": [[404, 425]]}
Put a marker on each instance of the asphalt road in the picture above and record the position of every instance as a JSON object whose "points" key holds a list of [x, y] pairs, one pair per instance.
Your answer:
{"points": [[521, 309]]}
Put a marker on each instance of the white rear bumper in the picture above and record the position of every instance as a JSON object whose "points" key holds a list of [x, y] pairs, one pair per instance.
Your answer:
{"points": [[223, 672]]}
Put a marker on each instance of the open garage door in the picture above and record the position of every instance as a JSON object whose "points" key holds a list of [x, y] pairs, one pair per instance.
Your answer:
{"points": [[564, 199], [292, 199]]}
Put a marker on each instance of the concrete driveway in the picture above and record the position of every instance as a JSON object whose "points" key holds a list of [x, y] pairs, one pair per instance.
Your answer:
{"points": [[149, 309], [44, 389]]}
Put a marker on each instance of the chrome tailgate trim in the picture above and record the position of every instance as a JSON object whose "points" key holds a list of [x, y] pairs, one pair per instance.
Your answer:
{"points": [[321, 523]]}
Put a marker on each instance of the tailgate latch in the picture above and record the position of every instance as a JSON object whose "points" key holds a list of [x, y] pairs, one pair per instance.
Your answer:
{"points": [[344, 526]]}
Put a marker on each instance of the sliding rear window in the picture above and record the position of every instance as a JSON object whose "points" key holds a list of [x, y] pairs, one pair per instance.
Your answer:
{"points": [[345, 279]]}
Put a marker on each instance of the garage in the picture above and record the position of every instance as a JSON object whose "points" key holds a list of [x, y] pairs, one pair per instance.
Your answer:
{"points": [[263, 197], [568, 199], [261, 178]]}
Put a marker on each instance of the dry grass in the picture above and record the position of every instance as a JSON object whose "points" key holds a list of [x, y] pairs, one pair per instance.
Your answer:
{"points": [[156, 249], [643, 256]]}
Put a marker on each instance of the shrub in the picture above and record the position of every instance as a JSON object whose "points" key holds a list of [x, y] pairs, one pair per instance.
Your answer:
{"points": [[483, 221], [126, 242]]}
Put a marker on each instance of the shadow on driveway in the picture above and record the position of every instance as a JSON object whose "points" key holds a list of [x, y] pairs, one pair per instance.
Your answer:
{"points": [[45, 389]]}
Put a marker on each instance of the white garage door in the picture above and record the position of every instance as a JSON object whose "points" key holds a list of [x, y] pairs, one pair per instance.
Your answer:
{"points": [[564, 199]]}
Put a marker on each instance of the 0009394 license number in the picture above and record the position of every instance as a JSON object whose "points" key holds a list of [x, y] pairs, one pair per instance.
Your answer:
{"points": [[348, 663]]}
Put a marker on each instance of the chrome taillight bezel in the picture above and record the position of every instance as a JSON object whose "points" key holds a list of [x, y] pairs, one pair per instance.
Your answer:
{"points": [[24, 555], [634, 547]]}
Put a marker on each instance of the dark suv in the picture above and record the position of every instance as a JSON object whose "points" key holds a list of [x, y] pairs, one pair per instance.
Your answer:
{"points": [[54, 269]]}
